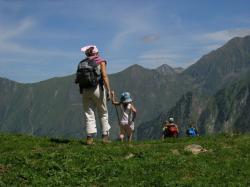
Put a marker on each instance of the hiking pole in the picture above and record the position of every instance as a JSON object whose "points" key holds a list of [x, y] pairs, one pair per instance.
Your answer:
{"points": [[117, 113], [118, 118]]}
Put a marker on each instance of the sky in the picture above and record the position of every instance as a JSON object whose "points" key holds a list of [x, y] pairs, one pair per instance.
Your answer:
{"points": [[42, 39]]}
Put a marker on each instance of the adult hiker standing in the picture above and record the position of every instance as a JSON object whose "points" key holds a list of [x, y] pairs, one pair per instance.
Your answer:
{"points": [[94, 86]]}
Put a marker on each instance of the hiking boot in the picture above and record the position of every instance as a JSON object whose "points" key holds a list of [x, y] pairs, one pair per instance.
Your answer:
{"points": [[105, 139], [90, 141]]}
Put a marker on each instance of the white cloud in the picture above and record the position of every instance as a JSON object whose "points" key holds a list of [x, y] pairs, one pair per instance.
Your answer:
{"points": [[9, 45], [132, 24], [212, 47], [158, 56], [120, 38], [225, 35], [17, 50], [10, 31], [210, 41], [143, 26]]}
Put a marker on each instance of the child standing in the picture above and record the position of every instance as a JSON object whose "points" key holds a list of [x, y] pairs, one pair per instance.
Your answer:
{"points": [[128, 115]]}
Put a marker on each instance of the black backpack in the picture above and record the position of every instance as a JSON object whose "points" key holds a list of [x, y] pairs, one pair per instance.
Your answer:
{"points": [[88, 74]]}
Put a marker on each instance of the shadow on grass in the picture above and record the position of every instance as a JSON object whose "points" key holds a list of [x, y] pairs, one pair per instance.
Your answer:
{"points": [[59, 141], [82, 142]]}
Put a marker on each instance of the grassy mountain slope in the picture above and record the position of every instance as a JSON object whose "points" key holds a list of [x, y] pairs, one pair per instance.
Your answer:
{"points": [[44, 108], [7, 94], [228, 110], [225, 64], [185, 112], [29, 161]]}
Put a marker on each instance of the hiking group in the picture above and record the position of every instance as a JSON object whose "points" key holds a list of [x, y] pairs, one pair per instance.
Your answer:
{"points": [[92, 78], [93, 81], [170, 129]]}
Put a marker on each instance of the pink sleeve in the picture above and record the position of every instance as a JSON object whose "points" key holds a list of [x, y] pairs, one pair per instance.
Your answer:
{"points": [[99, 60]]}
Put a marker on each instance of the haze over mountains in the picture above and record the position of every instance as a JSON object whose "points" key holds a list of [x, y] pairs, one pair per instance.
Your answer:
{"points": [[213, 94]]}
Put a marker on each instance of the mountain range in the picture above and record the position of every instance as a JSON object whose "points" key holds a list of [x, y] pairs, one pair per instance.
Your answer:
{"points": [[219, 98], [212, 94]]}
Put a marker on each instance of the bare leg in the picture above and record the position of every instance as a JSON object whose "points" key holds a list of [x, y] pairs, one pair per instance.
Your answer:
{"points": [[130, 137], [122, 137], [122, 133], [129, 133]]}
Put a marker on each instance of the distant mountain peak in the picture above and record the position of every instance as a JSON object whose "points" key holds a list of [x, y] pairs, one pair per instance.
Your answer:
{"points": [[237, 39], [136, 66], [166, 70], [179, 69], [166, 66]]}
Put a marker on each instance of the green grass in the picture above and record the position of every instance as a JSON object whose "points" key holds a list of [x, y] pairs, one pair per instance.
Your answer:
{"points": [[33, 161]]}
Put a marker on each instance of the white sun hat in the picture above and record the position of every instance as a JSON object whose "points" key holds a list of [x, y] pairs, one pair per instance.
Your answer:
{"points": [[171, 120], [84, 49]]}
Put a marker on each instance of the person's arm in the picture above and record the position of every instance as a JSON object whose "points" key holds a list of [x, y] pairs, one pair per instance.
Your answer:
{"points": [[133, 112], [177, 128], [76, 77], [105, 78], [164, 127], [113, 99]]}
